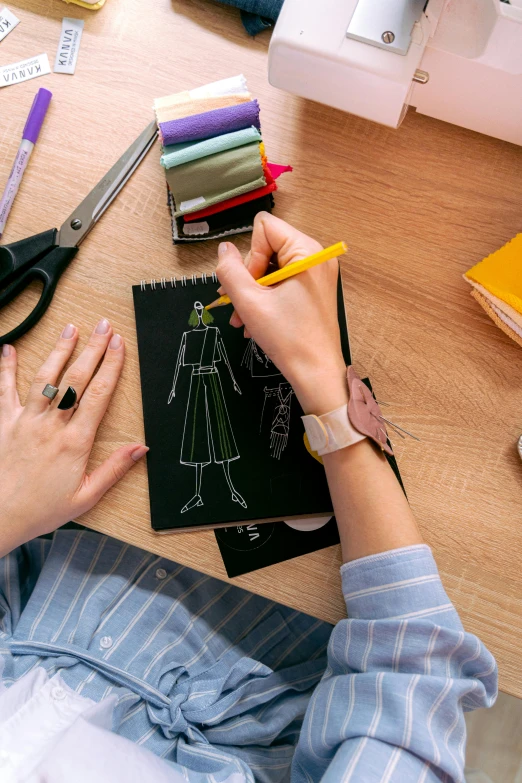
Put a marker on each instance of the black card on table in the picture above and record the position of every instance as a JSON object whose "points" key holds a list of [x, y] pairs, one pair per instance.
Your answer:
{"points": [[246, 548]]}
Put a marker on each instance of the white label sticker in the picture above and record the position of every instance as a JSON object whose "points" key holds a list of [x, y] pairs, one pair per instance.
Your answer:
{"points": [[69, 45], [8, 22], [191, 203], [195, 229], [24, 70]]}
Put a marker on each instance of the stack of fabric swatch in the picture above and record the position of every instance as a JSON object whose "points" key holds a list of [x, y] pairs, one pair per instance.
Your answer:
{"points": [[497, 287], [218, 175]]}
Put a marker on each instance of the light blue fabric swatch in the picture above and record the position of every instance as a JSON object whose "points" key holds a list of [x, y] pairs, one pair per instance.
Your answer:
{"points": [[176, 154]]}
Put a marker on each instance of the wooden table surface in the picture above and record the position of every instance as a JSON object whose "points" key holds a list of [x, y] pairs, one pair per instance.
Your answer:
{"points": [[418, 206]]}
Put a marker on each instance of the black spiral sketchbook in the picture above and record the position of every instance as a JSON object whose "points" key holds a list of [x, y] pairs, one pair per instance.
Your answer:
{"points": [[249, 547], [227, 445]]}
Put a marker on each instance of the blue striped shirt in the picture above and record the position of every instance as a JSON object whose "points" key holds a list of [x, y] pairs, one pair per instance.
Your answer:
{"points": [[225, 685], [401, 673]]}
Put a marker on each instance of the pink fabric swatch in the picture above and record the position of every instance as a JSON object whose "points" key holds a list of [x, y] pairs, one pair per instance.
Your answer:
{"points": [[276, 170]]}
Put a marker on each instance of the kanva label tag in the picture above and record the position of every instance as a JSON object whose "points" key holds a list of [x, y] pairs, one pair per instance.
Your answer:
{"points": [[8, 22], [69, 46], [24, 70]]}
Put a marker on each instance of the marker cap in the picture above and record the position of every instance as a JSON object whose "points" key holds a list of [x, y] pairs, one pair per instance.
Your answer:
{"points": [[37, 114]]}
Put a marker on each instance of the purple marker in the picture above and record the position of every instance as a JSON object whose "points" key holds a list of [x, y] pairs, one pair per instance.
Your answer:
{"points": [[34, 122]]}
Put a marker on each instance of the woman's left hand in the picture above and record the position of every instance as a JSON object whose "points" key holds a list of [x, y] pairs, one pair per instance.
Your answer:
{"points": [[44, 451]]}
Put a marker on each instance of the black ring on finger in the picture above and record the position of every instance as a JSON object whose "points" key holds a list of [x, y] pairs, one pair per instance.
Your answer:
{"points": [[68, 400]]}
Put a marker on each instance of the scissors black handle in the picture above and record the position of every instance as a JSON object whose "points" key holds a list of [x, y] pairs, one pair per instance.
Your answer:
{"points": [[35, 258]]}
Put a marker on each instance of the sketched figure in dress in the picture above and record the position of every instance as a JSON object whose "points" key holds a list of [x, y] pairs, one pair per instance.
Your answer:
{"points": [[277, 400], [259, 364], [207, 433], [280, 423]]}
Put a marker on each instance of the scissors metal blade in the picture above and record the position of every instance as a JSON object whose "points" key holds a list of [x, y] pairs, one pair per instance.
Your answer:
{"points": [[80, 222]]}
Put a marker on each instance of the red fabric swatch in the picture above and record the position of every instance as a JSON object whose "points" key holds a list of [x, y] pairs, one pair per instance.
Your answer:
{"points": [[230, 202]]}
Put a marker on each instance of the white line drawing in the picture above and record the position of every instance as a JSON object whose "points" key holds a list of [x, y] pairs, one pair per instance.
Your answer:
{"points": [[258, 362], [280, 425], [207, 432]]}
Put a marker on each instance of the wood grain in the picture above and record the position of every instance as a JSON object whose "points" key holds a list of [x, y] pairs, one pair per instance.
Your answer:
{"points": [[417, 206]]}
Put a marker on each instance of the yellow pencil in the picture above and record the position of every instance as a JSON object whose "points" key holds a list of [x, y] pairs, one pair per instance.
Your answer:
{"points": [[291, 269]]}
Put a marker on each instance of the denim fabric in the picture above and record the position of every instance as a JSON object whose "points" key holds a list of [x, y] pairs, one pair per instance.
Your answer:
{"points": [[257, 15]]}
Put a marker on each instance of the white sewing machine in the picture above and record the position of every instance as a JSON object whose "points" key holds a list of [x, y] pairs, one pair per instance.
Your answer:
{"points": [[456, 60]]}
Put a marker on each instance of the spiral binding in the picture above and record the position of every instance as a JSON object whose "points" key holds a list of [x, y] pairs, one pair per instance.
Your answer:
{"points": [[173, 282]]}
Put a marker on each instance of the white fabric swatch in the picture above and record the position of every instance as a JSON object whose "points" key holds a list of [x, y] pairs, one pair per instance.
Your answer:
{"points": [[231, 86]]}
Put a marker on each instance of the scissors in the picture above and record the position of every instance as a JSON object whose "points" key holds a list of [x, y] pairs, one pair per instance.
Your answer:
{"points": [[45, 256]]}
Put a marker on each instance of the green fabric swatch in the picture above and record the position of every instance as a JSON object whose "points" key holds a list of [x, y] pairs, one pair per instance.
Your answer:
{"points": [[177, 154], [209, 180]]}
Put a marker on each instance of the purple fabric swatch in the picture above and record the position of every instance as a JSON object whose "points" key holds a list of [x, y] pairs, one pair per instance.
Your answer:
{"points": [[210, 123]]}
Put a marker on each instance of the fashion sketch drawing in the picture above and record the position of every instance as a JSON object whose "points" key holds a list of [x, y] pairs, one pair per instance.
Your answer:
{"points": [[207, 432], [281, 396], [277, 399], [259, 364]]}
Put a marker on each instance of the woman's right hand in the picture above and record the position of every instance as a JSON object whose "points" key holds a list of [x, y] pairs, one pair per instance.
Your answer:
{"points": [[295, 322]]}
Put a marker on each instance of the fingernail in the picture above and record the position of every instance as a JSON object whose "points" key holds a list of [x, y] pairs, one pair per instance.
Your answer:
{"points": [[115, 342], [6, 350], [139, 452], [68, 332], [222, 249], [102, 327]]}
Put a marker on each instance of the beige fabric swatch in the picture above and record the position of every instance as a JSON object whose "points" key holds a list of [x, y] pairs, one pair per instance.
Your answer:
{"points": [[233, 85], [483, 302], [506, 309]]}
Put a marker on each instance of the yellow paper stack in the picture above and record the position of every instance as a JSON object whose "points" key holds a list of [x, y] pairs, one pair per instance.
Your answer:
{"points": [[92, 5], [497, 287]]}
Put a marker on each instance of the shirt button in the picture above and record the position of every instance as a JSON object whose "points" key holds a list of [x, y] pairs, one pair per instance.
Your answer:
{"points": [[58, 693], [106, 642], [161, 573]]}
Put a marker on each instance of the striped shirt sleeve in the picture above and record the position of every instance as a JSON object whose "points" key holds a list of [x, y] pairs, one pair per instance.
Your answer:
{"points": [[401, 673]]}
